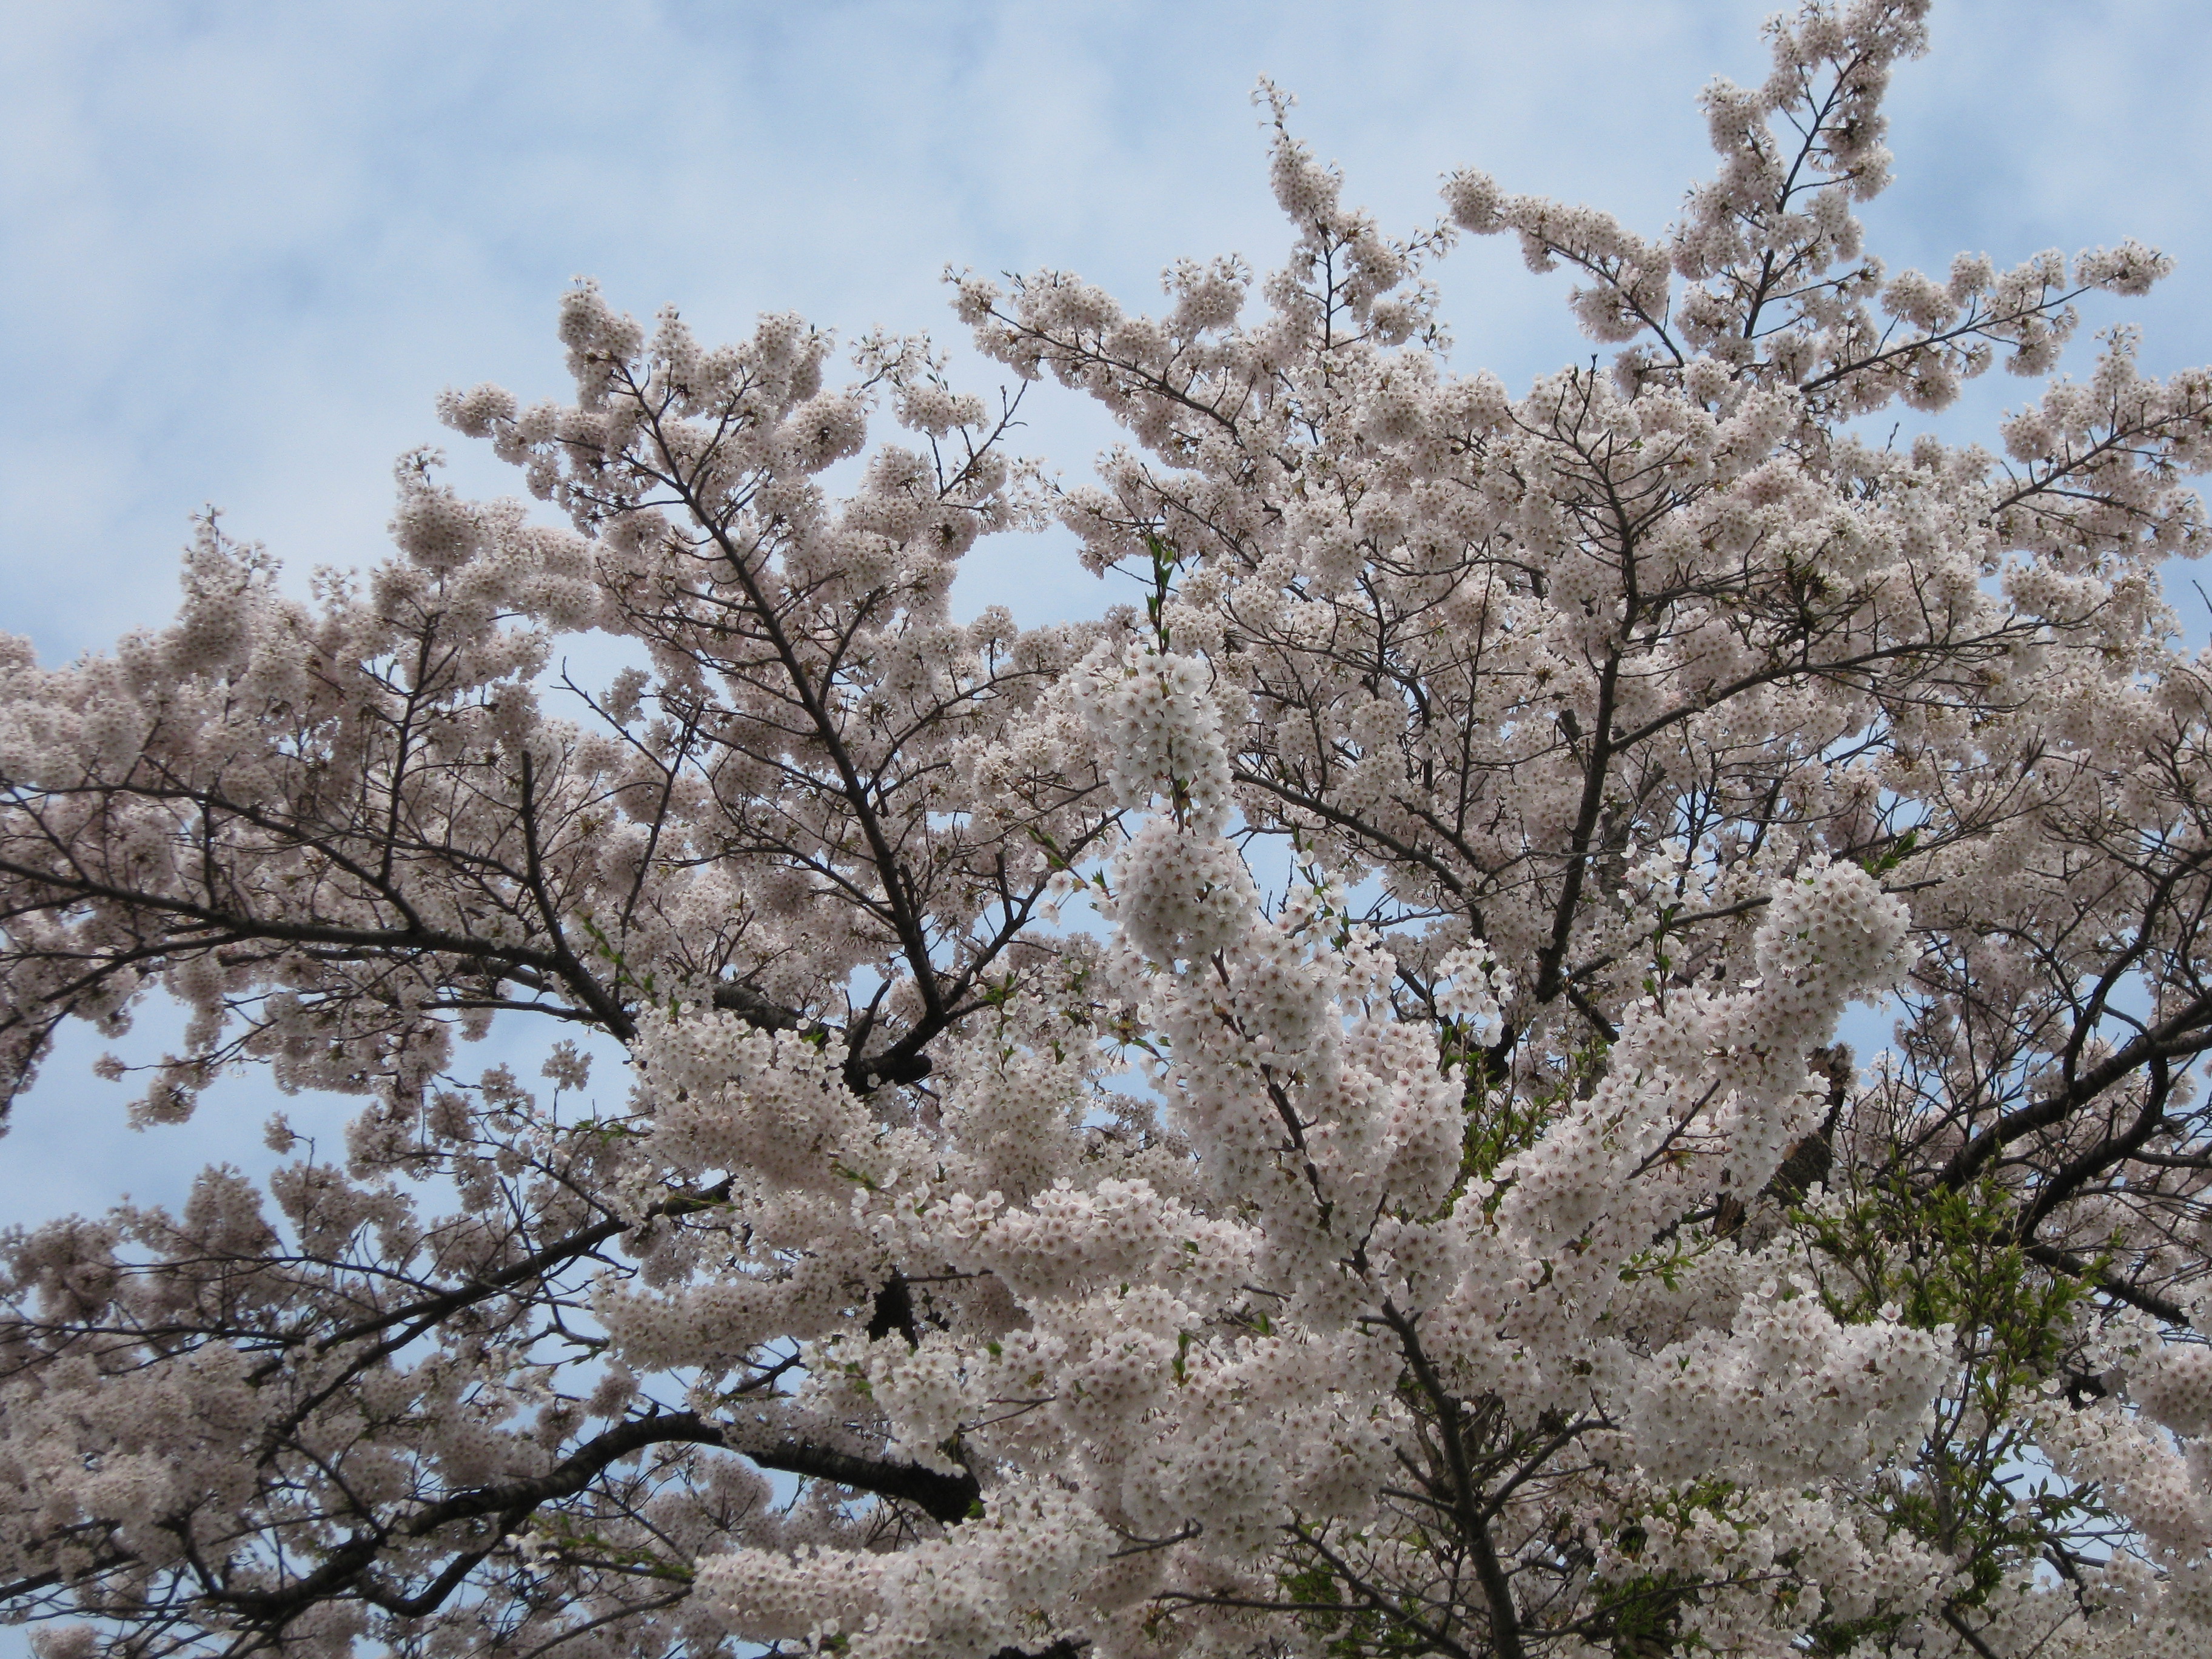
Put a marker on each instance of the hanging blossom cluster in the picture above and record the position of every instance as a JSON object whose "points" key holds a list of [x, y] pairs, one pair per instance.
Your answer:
{"points": [[1303, 1116]]}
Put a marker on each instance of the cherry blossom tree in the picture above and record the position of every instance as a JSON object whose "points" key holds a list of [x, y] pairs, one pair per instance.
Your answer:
{"points": [[1301, 1116]]}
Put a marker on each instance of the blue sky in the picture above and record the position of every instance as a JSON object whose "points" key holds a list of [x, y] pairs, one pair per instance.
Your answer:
{"points": [[242, 247]]}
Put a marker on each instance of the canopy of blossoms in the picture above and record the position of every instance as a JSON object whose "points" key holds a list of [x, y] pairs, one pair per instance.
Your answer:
{"points": [[1302, 1115]]}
